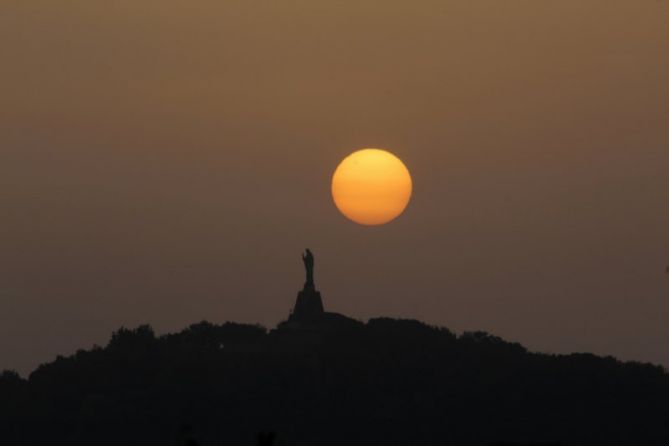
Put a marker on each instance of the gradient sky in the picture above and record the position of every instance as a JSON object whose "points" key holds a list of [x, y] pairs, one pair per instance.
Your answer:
{"points": [[165, 162]]}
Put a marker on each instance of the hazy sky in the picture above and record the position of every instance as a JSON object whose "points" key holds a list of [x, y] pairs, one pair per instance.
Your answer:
{"points": [[165, 162]]}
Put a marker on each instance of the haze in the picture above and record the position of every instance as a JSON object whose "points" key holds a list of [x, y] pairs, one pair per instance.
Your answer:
{"points": [[165, 162]]}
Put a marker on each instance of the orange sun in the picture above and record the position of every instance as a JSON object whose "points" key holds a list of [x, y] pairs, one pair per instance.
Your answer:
{"points": [[371, 186]]}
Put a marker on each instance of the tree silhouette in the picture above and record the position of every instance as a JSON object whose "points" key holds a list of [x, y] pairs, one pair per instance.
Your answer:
{"points": [[387, 381]]}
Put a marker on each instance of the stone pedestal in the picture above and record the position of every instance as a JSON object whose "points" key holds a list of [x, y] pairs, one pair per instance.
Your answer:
{"points": [[308, 305]]}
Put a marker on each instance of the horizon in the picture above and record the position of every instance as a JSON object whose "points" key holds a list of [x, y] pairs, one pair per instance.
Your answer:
{"points": [[290, 313]]}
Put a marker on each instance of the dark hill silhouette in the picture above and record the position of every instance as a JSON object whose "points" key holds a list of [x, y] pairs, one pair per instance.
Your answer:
{"points": [[321, 378], [347, 383]]}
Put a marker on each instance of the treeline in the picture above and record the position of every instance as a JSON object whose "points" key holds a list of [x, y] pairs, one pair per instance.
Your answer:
{"points": [[384, 382]]}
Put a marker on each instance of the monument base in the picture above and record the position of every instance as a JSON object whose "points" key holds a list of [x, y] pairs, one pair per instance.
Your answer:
{"points": [[308, 305]]}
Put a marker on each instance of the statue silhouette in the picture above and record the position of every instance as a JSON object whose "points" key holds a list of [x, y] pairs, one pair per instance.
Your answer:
{"points": [[308, 259], [309, 304]]}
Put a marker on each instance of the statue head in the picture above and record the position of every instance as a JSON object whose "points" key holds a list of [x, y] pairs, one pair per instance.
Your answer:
{"points": [[308, 256]]}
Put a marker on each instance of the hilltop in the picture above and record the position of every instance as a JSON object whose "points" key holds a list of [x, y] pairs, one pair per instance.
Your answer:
{"points": [[386, 381]]}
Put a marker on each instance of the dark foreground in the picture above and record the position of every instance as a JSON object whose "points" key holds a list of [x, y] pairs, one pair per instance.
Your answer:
{"points": [[387, 382]]}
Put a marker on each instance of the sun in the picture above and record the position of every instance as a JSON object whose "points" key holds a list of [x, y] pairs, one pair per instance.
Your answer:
{"points": [[371, 187]]}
